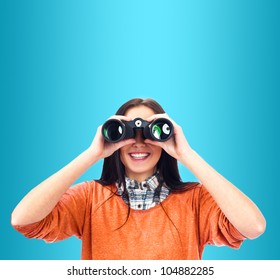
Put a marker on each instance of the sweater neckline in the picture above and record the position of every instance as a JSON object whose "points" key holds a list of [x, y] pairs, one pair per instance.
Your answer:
{"points": [[141, 211]]}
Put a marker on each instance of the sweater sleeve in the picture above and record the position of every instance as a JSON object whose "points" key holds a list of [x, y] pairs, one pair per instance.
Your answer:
{"points": [[214, 227], [65, 220]]}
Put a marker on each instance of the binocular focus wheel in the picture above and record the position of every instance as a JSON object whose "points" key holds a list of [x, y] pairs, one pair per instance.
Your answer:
{"points": [[138, 123]]}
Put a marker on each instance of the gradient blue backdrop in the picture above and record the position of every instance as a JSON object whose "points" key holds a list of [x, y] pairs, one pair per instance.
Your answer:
{"points": [[66, 66]]}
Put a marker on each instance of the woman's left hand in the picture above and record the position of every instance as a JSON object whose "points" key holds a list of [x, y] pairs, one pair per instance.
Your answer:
{"points": [[177, 146]]}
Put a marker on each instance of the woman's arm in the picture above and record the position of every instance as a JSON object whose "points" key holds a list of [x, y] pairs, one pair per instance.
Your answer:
{"points": [[40, 201], [243, 214], [237, 207]]}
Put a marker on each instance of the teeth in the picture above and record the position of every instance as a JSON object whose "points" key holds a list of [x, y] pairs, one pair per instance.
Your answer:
{"points": [[139, 155]]}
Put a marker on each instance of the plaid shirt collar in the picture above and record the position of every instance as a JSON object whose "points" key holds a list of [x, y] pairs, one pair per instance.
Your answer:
{"points": [[143, 195]]}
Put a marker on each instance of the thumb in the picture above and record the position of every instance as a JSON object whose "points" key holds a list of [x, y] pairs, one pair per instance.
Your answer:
{"points": [[125, 142], [155, 143]]}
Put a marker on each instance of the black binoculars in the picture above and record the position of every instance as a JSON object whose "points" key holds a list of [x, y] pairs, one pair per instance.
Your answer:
{"points": [[115, 130]]}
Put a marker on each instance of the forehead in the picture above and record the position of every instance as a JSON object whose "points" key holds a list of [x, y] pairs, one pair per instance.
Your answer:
{"points": [[141, 111]]}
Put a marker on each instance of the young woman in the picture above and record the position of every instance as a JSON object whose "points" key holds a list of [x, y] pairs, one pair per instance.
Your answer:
{"points": [[140, 208]]}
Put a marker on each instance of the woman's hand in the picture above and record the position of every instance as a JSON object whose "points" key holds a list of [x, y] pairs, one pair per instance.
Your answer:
{"points": [[100, 148], [177, 146]]}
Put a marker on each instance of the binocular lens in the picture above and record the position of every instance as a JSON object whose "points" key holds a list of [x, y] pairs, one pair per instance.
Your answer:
{"points": [[113, 131], [161, 131]]}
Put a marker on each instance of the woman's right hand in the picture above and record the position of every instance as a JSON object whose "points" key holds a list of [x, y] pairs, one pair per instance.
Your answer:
{"points": [[100, 148]]}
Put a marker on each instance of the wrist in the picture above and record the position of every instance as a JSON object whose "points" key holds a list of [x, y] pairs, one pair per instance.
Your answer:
{"points": [[188, 157], [89, 157]]}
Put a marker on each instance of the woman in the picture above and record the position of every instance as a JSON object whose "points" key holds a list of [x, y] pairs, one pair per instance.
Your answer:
{"points": [[140, 208]]}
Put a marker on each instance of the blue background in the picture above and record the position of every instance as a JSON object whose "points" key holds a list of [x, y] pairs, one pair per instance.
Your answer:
{"points": [[66, 66]]}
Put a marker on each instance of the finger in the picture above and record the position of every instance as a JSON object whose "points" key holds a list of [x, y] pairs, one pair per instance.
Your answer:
{"points": [[156, 116], [123, 143], [154, 143], [98, 134], [120, 117]]}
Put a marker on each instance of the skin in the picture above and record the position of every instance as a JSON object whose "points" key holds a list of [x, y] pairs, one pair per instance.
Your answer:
{"points": [[237, 207], [140, 158]]}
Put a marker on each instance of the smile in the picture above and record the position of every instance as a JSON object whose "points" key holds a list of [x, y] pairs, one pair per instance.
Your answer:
{"points": [[139, 156]]}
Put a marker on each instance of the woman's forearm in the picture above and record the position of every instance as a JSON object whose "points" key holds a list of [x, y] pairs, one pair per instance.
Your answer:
{"points": [[236, 206], [40, 201]]}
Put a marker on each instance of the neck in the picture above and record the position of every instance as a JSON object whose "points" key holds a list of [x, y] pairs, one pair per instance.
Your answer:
{"points": [[140, 177]]}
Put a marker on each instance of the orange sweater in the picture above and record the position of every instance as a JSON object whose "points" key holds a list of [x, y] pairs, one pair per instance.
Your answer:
{"points": [[90, 212]]}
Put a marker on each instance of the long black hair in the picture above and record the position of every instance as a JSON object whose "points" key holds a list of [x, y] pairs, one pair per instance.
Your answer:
{"points": [[114, 171]]}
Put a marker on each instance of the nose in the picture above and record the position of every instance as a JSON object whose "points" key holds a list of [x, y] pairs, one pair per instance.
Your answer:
{"points": [[139, 138]]}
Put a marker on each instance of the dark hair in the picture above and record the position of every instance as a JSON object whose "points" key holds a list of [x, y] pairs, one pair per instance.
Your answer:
{"points": [[167, 166]]}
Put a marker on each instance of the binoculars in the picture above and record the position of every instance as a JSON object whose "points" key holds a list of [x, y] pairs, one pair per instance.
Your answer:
{"points": [[115, 130]]}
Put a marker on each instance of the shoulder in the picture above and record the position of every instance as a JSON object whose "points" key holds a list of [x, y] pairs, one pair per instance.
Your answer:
{"points": [[92, 189], [191, 189], [195, 194], [196, 189], [189, 194], [91, 185]]}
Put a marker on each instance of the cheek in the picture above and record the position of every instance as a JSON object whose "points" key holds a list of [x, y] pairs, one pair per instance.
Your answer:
{"points": [[157, 153], [122, 153]]}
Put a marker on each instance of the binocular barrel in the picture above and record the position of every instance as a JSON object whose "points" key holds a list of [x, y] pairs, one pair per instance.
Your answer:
{"points": [[115, 130]]}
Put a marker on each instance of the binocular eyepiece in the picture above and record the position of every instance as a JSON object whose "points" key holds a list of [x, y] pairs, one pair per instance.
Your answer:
{"points": [[115, 130]]}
